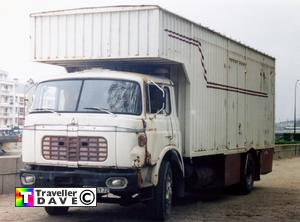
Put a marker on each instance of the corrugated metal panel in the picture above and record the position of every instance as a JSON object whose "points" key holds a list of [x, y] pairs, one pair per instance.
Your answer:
{"points": [[229, 95], [96, 35], [230, 106]]}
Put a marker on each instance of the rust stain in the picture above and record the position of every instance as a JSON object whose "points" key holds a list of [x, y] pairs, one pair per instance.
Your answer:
{"points": [[147, 160]]}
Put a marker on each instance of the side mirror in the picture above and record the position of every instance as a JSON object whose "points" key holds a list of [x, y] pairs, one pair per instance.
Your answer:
{"points": [[159, 109], [161, 89], [156, 98], [163, 105]]}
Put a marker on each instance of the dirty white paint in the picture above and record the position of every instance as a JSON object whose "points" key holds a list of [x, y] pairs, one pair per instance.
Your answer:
{"points": [[228, 108]]}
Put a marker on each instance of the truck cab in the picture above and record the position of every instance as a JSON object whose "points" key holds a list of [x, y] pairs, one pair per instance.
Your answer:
{"points": [[104, 129]]}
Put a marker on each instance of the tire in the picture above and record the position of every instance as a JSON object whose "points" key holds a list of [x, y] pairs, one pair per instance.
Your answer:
{"points": [[161, 204], [247, 175], [55, 211]]}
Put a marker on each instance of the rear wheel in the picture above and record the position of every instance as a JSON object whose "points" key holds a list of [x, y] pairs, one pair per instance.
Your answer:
{"points": [[56, 210], [160, 206], [247, 175]]}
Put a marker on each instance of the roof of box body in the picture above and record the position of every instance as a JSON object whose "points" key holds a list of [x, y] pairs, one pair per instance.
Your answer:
{"points": [[133, 8]]}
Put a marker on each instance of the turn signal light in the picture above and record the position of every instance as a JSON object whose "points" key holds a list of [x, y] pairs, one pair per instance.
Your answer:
{"points": [[27, 179], [142, 140]]}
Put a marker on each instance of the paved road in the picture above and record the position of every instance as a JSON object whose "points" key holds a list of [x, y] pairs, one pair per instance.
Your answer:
{"points": [[275, 198]]}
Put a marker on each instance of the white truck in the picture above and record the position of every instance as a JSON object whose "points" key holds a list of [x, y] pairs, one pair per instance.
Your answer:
{"points": [[153, 105]]}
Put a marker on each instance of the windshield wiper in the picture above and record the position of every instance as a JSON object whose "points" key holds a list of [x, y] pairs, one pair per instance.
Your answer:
{"points": [[46, 110], [100, 109]]}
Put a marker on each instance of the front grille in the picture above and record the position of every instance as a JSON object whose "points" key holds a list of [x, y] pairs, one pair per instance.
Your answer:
{"points": [[74, 148]]}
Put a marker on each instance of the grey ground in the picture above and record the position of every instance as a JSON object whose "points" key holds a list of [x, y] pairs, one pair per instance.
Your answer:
{"points": [[275, 198]]}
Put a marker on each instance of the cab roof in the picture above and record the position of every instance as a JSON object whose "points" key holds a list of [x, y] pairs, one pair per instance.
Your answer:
{"points": [[112, 74]]}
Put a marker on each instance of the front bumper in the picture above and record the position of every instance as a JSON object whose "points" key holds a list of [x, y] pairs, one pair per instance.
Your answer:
{"points": [[68, 177]]}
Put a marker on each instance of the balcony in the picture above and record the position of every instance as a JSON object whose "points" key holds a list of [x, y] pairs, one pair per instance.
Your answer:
{"points": [[6, 91], [6, 104], [5, 115]]}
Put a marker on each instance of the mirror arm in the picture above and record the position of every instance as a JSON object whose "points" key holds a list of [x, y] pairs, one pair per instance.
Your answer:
{"points": [[161, 109], [161, 89], [163, 92]]}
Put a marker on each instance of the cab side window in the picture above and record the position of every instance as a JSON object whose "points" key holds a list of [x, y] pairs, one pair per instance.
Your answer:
{"points": [[167, 100], [156, 101]]}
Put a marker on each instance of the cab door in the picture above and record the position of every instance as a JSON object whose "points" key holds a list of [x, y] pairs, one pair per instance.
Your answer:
{"points": [[173, 117], [158, 120]]}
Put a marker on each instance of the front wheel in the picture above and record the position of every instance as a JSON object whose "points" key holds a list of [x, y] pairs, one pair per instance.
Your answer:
{"points": [[161, 204], [54, 211]]}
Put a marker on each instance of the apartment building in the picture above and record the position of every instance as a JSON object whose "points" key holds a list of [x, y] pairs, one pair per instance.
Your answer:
{"points": [[12, 102]]}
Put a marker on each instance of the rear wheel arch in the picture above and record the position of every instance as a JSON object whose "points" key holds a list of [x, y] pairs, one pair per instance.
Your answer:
{"points": [[256, 157], [248, 167]]}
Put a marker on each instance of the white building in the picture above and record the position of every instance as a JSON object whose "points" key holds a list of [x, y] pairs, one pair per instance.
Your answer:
{"points": [[12, 104]]}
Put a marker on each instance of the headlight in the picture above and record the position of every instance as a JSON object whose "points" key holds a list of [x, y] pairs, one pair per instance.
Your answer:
{"points": [[116, 182]]}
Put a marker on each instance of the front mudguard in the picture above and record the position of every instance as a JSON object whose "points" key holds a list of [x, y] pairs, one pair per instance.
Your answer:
{"points": [[171, 154]]}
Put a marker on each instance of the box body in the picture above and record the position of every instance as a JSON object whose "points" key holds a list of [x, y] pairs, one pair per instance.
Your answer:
{"points": [[225, 90]]}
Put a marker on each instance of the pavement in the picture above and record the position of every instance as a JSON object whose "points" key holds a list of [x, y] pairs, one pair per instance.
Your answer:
{"points": [[275, 198]]}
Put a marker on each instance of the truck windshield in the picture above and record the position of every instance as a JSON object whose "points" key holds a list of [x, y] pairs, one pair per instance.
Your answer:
{"points": [[89, 95]]}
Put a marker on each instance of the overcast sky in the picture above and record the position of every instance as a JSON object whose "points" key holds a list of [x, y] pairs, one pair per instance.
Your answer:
{"points": [[272, 26]]}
